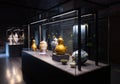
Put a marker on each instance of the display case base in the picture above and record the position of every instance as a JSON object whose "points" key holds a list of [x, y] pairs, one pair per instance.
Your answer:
{"points": [[58, 58]]}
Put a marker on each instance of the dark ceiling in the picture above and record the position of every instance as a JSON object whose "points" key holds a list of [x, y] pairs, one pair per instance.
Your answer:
{"points": [[20, 11]]}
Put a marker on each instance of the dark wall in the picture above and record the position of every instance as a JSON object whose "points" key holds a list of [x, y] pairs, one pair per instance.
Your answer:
{"points": [[103, 40], [114, 38]]}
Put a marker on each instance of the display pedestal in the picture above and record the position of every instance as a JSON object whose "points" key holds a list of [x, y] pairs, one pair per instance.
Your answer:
{"points": [[59, 57], [39, 69], [15, 50]]}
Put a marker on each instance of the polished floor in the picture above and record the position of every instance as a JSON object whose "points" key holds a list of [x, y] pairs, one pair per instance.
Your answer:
{"points": [[10, 71]]}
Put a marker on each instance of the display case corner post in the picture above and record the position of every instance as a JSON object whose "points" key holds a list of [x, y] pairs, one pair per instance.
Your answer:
{"points": [[96, 30], [108, 46], [79, 39], [40, 31], [28, 35]]}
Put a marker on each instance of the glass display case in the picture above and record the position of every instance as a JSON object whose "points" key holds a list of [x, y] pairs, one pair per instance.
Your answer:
{"points": [[15, 41], [68, 41], [15, 36], [79, 34], [67, 47]]}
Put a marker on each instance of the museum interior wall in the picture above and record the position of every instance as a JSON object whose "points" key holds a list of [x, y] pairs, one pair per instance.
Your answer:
{"points": [[114, 42]]}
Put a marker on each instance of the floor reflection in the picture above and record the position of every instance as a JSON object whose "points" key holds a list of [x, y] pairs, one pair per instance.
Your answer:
{"points": [[10, 69]]}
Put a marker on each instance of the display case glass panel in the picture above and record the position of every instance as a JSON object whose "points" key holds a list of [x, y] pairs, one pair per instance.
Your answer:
{"points": [[15, 36], [66, 26], [70, 40]]}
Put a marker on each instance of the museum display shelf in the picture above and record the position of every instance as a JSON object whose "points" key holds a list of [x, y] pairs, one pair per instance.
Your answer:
{"points": [[47, 58], [41, 67]]}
